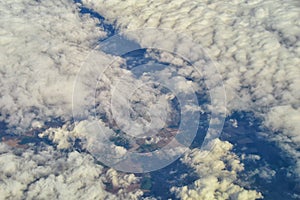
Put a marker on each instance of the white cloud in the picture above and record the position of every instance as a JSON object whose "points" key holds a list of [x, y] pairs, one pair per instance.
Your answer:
{"points": [[42, 46], [250, 51], [55, 175], [285, 121], [255, 45], [217, 171], [43, 43]]}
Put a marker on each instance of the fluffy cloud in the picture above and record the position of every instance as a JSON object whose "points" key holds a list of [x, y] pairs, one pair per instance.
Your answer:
{"points": [[285, 120], [217, 171], [42, 46], [51, 174], [255, 45], [256, 50]]}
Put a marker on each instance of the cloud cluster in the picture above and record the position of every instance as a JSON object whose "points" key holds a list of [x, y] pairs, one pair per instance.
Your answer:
{"points": [[285, 119], [217, 173], [51, 174], [42, 46], [255, 45], [256, 50]]}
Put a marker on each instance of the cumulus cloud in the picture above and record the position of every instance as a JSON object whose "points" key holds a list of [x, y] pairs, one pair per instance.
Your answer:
{"points": [[42, 46], [51, 174], [285, 120], [247, 40], [217, 171], [255, 45]]}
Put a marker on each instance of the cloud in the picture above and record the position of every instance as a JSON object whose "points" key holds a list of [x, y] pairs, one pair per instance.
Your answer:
{"points": [[42, 46], [218, 175], [26, 174], [255, 45], [245, 56], [285, 120]]}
